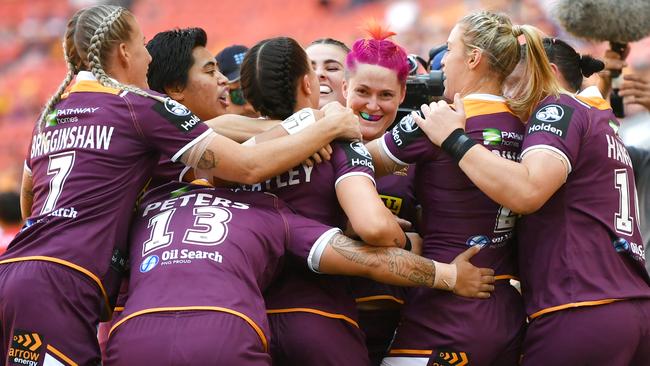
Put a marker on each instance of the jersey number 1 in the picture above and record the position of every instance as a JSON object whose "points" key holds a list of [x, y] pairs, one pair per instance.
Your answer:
{"points": [[623, 219]]}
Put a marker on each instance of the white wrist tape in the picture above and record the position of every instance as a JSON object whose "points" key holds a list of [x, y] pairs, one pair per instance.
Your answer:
{"points": [[299, 121], [446, 275]]}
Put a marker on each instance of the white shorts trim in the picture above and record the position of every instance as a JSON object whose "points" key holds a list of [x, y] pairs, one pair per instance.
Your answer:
{"points": [[405, 361], [51, 361]]}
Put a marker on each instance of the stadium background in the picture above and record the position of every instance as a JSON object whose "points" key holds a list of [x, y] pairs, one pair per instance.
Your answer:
{"points": [[31, 62]]}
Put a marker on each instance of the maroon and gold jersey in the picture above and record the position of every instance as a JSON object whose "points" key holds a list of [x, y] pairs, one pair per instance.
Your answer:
{"points": [[583, 247], [198, 248], [88, 165]]}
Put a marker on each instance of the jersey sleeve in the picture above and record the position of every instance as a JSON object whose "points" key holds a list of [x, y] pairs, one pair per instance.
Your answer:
{"points": [[168, 126], [406, 143], [351, 159], [557, 127], [307, 238]]}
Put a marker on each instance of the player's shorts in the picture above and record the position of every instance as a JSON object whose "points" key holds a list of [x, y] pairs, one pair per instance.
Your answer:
{"points": [[379, 306], [439, 327], [48, 315], [613, 334], [299, 339], [186, 338]]}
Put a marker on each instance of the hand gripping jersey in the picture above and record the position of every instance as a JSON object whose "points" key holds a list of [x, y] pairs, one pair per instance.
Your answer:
{"points": [[457, 215], [583, 246], [310, 191], [88, 165], [198, 248]]}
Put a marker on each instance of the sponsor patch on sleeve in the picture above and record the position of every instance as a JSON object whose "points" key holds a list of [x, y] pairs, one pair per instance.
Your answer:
{"points": [[551, 118], [26, 348], [406, 131], [177, 114], [358, 155]]}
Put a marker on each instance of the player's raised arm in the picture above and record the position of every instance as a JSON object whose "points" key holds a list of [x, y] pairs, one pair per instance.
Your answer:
{"points": [[251, 164]]}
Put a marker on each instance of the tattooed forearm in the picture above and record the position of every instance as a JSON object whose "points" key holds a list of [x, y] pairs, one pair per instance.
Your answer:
{"points": [[208, 160], [389, 265]]}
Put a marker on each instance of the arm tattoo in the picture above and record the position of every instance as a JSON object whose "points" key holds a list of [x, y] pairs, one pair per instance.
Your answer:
{"points": [[208, 160], [417, 270]]}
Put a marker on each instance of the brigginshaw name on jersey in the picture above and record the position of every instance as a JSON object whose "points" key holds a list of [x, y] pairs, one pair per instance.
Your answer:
{"points": [[75, 137]]}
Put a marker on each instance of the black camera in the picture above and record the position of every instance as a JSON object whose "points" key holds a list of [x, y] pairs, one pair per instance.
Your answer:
{"points": [[423, 88]]}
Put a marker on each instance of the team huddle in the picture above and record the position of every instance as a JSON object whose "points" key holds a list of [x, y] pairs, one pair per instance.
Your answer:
{"points": [[313, 230]]}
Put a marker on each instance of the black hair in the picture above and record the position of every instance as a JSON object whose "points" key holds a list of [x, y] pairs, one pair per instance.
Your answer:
{"points": [[270, 73], [571, 64], [171, 54], [333, 42], [10, 208]]}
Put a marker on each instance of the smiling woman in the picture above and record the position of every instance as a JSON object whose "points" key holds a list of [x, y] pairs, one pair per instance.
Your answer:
{"points": [[327, 57]]}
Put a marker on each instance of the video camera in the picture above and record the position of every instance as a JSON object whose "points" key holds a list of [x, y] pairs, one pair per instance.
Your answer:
{"points": [[423, 88]]}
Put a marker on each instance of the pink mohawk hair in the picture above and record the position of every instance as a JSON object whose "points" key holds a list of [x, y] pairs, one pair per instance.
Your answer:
{"points": [[378, 50]]}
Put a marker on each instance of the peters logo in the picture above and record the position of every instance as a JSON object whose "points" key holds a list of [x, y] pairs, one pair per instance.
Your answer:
{"points": [[449, 358], [25, 348], [360, 149], [407, 124], [550, 113]]}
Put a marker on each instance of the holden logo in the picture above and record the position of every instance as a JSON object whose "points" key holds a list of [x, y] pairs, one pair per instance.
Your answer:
{"points": [[407, 124], [360, 148], [176, 108], [550, 113]]}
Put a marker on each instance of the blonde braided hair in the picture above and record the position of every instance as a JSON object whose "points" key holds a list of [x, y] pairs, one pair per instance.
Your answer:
{"points": [[73, 67], [94, 53]]}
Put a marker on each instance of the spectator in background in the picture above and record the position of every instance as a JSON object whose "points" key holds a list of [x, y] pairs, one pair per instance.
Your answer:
{"points": [[10, 219], [229, 61]]}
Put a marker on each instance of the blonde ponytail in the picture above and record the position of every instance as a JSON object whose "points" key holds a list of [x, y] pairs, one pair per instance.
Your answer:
{"points": [[539, 80]]}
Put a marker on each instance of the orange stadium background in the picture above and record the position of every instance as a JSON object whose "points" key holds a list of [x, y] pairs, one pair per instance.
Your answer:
{"points": [[31, 62]]}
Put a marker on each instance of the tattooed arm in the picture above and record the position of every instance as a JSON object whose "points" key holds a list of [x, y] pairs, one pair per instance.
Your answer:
{"points": [[26, 194], [396, 266], [233, 162]]}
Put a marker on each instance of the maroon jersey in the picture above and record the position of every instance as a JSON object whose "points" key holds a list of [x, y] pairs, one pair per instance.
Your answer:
{"points": [[310, 191], [198, 248], [397, 191], [455, 213], [583, 246], [88, 165]]}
